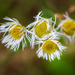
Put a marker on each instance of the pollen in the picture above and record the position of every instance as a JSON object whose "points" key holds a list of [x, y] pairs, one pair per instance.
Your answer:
{"points": [[49, 46], [17, 31], [69, 27], [41, 29]]}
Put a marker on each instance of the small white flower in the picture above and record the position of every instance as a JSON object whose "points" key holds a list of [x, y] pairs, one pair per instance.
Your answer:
{"points": [[14, 34], [42, 29], [50, 49], [67, 26], [39, 20]]}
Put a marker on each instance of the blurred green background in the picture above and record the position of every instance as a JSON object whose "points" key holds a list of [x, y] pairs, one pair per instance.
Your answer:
{"points": [[26, 62]]}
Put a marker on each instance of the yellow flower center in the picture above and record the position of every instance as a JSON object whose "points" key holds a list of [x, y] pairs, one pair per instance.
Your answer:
{"points": [[49, 46], [17, 31], [41, 29], [69, 27]]}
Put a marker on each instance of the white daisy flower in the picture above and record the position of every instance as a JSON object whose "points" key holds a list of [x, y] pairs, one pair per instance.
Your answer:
{"points": [[67, 26], [50, 49], [42, 29], [40, 20], [14, 34]]}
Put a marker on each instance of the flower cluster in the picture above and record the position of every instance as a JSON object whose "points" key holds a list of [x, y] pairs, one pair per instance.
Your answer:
{"points": [[41, 32]]}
